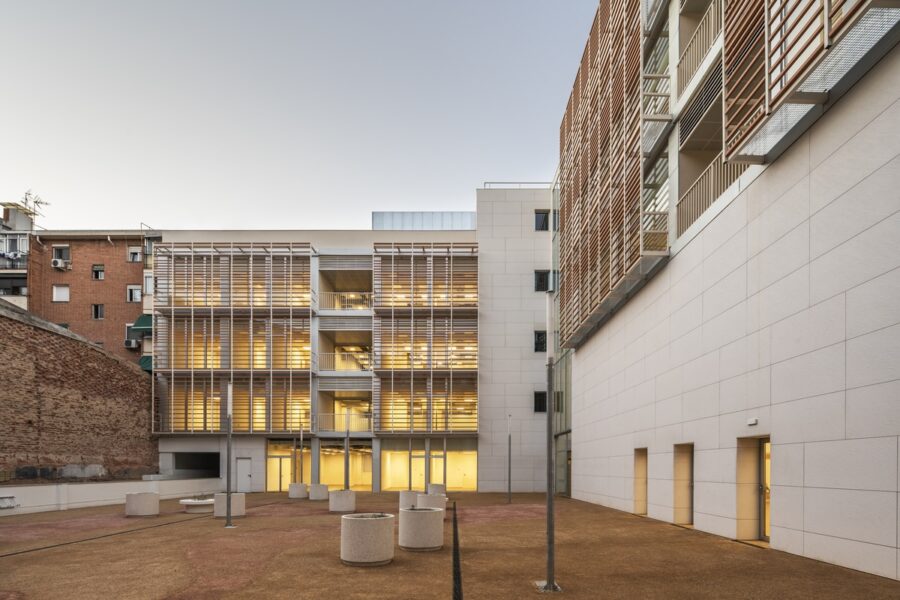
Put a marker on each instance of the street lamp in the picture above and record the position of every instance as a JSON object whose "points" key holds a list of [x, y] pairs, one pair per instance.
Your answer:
{"points": [[228, 406]]}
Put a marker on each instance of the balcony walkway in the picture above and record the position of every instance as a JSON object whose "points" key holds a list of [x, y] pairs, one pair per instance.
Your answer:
{"points": [[289, 549]]}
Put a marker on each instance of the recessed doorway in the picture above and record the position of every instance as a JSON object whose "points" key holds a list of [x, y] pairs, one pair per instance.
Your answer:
{"points": [[683, 499]]}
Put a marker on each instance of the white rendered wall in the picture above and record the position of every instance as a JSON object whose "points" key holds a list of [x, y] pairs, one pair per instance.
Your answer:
{"points": [[784, 308], [510, 311]]}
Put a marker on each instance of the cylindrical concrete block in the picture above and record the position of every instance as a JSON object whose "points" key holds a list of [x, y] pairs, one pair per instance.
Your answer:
{"points": [[142, 504], [421, 529], [342, 501], [238, 505], [430, 501], [437, 489], [318, 491], [408, 498], [367, 539], [298, 490]]}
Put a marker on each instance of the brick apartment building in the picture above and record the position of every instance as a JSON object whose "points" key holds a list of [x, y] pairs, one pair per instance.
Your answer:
{"points": [[91, 282], [93, 425]]}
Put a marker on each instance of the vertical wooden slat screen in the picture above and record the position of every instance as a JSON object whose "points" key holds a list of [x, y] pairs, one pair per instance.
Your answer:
{"points": [[744, 65]]}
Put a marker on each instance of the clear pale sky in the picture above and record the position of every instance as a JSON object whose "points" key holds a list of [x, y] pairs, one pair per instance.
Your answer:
{"points": [[303, 114]]}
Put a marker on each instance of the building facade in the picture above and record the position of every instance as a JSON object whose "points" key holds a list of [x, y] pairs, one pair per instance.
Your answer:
{"points": [[16, 226], [367, 349], [91, 282], [728, 226]]}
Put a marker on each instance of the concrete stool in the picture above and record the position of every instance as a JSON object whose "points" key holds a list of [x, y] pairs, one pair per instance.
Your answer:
{"points": [[437, 489], [421, 529], [196, 506], [408, 498], [342, 501], [430, 501], [367, 539], [298, 490], [238, 505], [318, 491], [142, 504]]}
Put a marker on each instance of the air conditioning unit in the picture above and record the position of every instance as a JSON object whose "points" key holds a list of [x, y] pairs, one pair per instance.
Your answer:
{"points": [[58, 263], [132, 344]]}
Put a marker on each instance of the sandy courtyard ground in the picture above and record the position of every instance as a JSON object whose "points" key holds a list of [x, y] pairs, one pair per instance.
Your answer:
{"points": [[289, 549]]}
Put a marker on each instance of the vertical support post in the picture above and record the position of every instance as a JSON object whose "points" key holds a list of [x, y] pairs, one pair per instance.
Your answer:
{"points": [[301, 453], [228, 523], [509, 459], [347, 451], [550, 582]]}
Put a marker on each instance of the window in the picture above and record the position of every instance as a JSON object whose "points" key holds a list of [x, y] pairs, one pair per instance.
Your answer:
{"points": [[98, 273], [542, 220], [128, 333], [148, 284], [541, 281], [540, 341], [61, 253], [555, 219], [96, 311], [134, 254], [540, 402], [60, 293], [133, 293], [12, 244]]}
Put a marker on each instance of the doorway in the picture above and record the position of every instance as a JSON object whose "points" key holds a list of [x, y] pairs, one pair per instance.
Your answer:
{"points": [[640, 481], [244, 474], [765, 483], [683, 475]]}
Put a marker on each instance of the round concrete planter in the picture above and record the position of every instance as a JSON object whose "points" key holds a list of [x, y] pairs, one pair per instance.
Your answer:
{"points": [[367, 539], [195, 506], [142, 504], [408, 498], [430, 501], [318, 491], [298, 490], [238, 505], [437, 489], [421, 529], [343, 501]]}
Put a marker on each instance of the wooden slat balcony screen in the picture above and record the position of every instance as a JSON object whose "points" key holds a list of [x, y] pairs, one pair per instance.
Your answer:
{"points": [[427, 404], [770, 47], [602, 218]]}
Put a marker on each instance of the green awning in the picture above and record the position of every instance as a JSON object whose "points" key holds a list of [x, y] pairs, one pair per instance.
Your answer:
{"points": [[146, 363], [144, 324]]}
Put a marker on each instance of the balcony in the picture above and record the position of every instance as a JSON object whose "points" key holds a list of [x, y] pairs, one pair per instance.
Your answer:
{"points": [[440, 421], [699, 45], [711, 184], [352, 422], [345, 301], [466, 359], [343, 362]]}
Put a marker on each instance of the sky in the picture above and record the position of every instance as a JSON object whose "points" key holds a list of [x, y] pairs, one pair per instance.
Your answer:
{"points": [[278, 115]]}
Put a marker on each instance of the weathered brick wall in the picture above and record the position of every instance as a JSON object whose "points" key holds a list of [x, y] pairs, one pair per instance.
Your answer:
{"points": [[69, 410]]}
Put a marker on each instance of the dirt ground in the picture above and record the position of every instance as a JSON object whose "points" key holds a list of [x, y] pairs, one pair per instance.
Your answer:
{"points": [[289, 549]]}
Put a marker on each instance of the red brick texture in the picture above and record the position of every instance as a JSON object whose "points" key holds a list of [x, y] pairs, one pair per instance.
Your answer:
{"points": [[85, 291], [69, 410]]}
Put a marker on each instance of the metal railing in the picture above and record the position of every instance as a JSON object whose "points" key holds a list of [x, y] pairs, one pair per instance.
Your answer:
{"points": [[345, 361], [345, 300], [698, 46], [438, 421], [711, 184], [462, 359], [337, 422]]}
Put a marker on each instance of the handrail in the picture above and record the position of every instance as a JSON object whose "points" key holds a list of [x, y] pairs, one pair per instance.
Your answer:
{"points": [[419, 422], [345, 300], [711, 183], [345, 361], [337, 422], [698, 46]]}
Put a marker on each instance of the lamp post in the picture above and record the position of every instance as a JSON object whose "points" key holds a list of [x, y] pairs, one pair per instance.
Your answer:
{"points": [[508, 459], [549, 585], [228, 406]]}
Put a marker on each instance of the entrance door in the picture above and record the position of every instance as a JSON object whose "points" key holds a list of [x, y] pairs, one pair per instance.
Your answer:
{"points": [[244, 477], [684, 484], [765, 482], [417, 471]]}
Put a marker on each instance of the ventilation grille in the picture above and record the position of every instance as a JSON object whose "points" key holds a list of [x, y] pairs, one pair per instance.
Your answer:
{"points": [[339, 323], [345, 263], [338, 384]]}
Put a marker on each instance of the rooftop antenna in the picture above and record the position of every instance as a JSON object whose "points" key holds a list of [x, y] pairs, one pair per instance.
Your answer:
{"points": [[34, 203]]}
